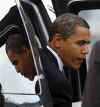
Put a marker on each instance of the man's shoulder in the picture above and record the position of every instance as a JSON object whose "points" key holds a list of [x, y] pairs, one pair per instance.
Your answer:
{"points": [[48, 60], [45, 54], [42, 51]]}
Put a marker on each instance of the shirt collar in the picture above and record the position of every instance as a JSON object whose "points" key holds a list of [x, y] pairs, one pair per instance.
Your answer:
{"points": [[60, 63]]}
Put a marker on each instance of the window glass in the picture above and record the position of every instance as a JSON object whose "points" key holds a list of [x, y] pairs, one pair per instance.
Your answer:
{"points": [[15, 87], [49, 7], [18, 90], [5, 6]]}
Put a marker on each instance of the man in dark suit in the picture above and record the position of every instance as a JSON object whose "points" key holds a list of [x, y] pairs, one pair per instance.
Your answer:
{"points": [[67, 47]]}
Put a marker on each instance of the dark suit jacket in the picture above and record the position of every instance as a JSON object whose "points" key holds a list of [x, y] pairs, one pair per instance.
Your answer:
{"points": [[59, 85], [91, 96]]}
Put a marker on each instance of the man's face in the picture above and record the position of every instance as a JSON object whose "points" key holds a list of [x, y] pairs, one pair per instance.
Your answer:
{"points": [[73, 50], [23, 63]]}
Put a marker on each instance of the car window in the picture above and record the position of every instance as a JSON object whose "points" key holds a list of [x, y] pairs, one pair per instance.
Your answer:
{"points": [[15, 87], [49, 7], [5, 6], [18, 90]]}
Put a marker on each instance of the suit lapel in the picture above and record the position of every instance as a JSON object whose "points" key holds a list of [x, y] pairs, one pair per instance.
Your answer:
{"points": [[51, 56], [52, 59]]}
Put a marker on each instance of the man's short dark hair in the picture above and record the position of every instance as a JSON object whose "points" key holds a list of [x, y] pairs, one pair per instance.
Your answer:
{"points": [[16, 42], [65, 25]]}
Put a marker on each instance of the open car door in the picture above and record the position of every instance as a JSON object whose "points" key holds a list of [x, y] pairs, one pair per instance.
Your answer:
{"points": [[24, 93]]}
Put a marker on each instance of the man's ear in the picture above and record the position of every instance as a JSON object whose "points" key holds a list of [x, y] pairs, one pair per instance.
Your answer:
{"points": [[57, 38]]}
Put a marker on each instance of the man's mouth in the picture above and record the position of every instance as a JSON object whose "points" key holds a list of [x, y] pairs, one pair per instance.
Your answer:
{"points": [[80, 60]]}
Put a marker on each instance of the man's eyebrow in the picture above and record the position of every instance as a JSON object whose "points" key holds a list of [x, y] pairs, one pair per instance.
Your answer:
{"points": [[83, 41]]}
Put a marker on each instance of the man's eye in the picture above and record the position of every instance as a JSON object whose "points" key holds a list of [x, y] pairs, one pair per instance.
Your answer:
{"points": [[15, 62], [81, 43]]}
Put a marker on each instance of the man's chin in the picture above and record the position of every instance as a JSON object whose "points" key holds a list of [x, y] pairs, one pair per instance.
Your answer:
{"points": [[72, 65], [28, 77], [76, 66]]}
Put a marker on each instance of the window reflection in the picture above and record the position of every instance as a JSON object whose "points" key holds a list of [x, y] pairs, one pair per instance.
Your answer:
{"points": [[49, 7], [16, 88], [10, 79]]}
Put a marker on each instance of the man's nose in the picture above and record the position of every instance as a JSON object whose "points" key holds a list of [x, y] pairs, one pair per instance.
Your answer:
{"points": [[85, 50]]}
